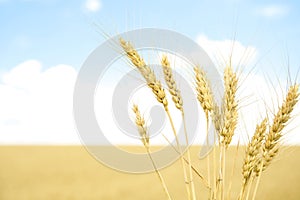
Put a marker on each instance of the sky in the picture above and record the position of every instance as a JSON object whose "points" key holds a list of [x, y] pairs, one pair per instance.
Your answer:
{"points": [[44, 43]]}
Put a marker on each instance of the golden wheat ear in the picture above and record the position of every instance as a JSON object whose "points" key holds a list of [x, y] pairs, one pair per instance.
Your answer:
{"points": [[230, 106], [140, 123], [169, 78], [253, 156], [271, 145], [146, 72], [204, 94], [253, 151]]}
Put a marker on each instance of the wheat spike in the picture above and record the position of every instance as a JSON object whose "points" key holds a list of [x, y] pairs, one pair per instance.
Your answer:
{"points": [[146, 72], [271, 145], [140, 123], [173, 89], [204, 93], [230, 112], [253, 151], [206, 98]]}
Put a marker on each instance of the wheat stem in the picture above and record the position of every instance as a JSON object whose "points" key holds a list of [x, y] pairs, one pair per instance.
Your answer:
{"points": [[257, 181], [249, 188], [140, 123], [158, 174], [177, 99], [181, 154], [189, 160], [193, 168], [208, 157], [214, 174]]}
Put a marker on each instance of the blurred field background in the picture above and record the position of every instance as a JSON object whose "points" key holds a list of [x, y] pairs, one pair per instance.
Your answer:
{"points": [[70, 172]]}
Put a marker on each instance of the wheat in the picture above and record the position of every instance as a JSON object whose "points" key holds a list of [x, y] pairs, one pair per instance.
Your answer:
{"points": [[158, 91], [253, 151], [271, 145], [230, 111], [253, 155], [140, 122], [260, 151], [173, 89], [177, 99], [146, 72], [206, 98], [204, 94]]}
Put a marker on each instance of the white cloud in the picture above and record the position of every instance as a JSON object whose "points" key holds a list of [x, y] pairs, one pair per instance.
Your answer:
{"points": [[93, 5], [220, 51], [36, 105], [272, 11]]}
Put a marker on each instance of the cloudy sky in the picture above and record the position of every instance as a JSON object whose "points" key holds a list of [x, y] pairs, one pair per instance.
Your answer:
{"points": [[43, 44]]}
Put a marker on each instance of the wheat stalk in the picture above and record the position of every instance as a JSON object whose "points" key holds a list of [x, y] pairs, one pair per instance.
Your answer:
{"points": [[205, 98], [229, 119], [177, 99], [140, 123]]}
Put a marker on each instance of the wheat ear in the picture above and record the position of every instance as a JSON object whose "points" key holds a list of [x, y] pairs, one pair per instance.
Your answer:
{"points": [[252, 154], [146, 72], [169, 78], [177, 99], [204, 94], [230, 112], [140, 123], [271, 145]]}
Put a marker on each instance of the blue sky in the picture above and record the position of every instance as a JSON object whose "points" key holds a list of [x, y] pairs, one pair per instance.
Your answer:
{"points": [[56, 32], [43, 44]]}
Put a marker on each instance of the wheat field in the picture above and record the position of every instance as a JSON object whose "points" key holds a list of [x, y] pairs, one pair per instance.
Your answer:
{"points": [[70, 172]]}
